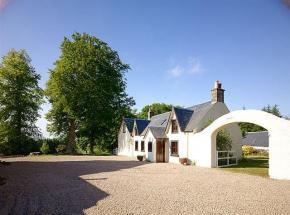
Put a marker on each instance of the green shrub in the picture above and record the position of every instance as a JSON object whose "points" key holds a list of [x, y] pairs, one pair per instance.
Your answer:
{"points": [[24, 147], [262, 152], [82, 144], [61, 148], [45, 148], [223, 141], [52, 144], [4, 148], [99, 151]]}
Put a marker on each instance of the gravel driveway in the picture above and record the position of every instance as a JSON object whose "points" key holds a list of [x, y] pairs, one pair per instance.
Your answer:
{"points": [[118, 185]]}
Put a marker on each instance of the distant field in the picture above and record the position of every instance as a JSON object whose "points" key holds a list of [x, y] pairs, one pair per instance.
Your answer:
{"points": [[252, 165]]}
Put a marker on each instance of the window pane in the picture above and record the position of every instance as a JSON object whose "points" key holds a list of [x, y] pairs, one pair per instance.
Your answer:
{"points": [[174, 127], [174, 148], [149, 146]]}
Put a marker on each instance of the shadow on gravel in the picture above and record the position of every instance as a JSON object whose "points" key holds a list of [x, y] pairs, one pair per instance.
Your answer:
{"points": [[54, 187]]}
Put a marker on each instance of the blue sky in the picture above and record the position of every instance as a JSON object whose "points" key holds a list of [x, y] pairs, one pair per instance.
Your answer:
{"points": [[176, 49]]}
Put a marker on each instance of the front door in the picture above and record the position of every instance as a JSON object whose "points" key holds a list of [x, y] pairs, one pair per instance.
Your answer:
{"points": [[160, 150]]}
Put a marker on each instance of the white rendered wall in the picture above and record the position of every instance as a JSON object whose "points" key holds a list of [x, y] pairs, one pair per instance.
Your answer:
{"points": [[150, 156], [182, 143], [139, 139], [125, 140], [279, 139], [199, 152]]}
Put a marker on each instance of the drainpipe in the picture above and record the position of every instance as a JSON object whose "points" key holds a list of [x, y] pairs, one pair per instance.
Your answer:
{"points": [[187, 144]]}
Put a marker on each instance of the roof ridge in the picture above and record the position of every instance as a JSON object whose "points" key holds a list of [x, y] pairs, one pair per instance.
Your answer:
{"points": [[200, 104], [183, 108], [161, 114]]}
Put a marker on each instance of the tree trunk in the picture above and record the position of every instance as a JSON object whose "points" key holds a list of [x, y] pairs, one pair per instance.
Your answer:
{"points": [[71, 136], [92, 144]]}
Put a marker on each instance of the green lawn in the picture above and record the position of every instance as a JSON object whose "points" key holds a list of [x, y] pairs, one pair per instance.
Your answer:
{"points": [[252, 165]]}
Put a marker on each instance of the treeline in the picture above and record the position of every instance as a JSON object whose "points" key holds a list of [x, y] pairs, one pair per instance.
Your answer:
{"points": [[87, 92], [250, 127]]}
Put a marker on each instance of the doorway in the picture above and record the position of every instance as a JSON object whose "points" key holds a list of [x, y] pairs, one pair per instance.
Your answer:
{"points": [[160, 151]]}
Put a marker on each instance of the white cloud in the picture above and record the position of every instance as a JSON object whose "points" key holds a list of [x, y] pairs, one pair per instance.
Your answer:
{"points": [[194, 66], [175, 71], [191, 67]]}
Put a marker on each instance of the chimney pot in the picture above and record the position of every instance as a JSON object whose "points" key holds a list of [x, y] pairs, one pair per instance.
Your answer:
{"points": [[150, 114]]}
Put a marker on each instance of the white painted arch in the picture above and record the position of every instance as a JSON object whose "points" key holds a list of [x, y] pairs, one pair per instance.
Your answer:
{"points": [[279, 138]]}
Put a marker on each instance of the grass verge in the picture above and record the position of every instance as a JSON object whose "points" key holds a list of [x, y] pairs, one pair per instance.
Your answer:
{"points": [[251, 165]]}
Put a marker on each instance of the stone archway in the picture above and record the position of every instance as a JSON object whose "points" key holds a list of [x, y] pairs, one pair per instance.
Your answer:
{"points": [[279, 138]]}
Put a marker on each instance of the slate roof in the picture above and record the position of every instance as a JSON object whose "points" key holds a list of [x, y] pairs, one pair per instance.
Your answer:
{"points": [[183, 116], [199, 111], [141, 124], [129, 123], [158, 132], [259, 139], [188, 119], [158, 124]]}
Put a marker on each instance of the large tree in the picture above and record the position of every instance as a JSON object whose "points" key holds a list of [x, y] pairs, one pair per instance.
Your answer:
{"points": [[156, 108], [87, 90], [20, 100]]}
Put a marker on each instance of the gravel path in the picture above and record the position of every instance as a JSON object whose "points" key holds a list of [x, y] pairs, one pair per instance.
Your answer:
{"points": [[118, 185]]}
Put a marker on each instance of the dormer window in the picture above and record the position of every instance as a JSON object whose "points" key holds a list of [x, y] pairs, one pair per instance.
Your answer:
{"points": [[135, 131], [174, 126]]}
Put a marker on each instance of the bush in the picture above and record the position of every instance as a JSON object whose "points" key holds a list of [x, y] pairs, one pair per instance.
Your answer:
{"points": [[261, 152], [61, 148], [4, 148], [44, 148], [24, 147], [100, 151], [82, 144], [52, 144], [247, 150], [223, 141]]}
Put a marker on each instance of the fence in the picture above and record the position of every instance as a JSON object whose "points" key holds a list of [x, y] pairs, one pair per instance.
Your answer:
{"points": [[226, 158]]}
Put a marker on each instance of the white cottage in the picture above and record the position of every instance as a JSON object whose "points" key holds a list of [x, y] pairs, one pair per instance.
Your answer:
{"points": [[169, 136]]}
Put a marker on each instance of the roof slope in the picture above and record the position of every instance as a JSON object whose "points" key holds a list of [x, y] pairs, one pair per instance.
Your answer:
{"points": [[188, 119], [158, 125], [183, 116], [141, 124], [158, 132], [129, 122], [260, 139], [199, 111]]}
